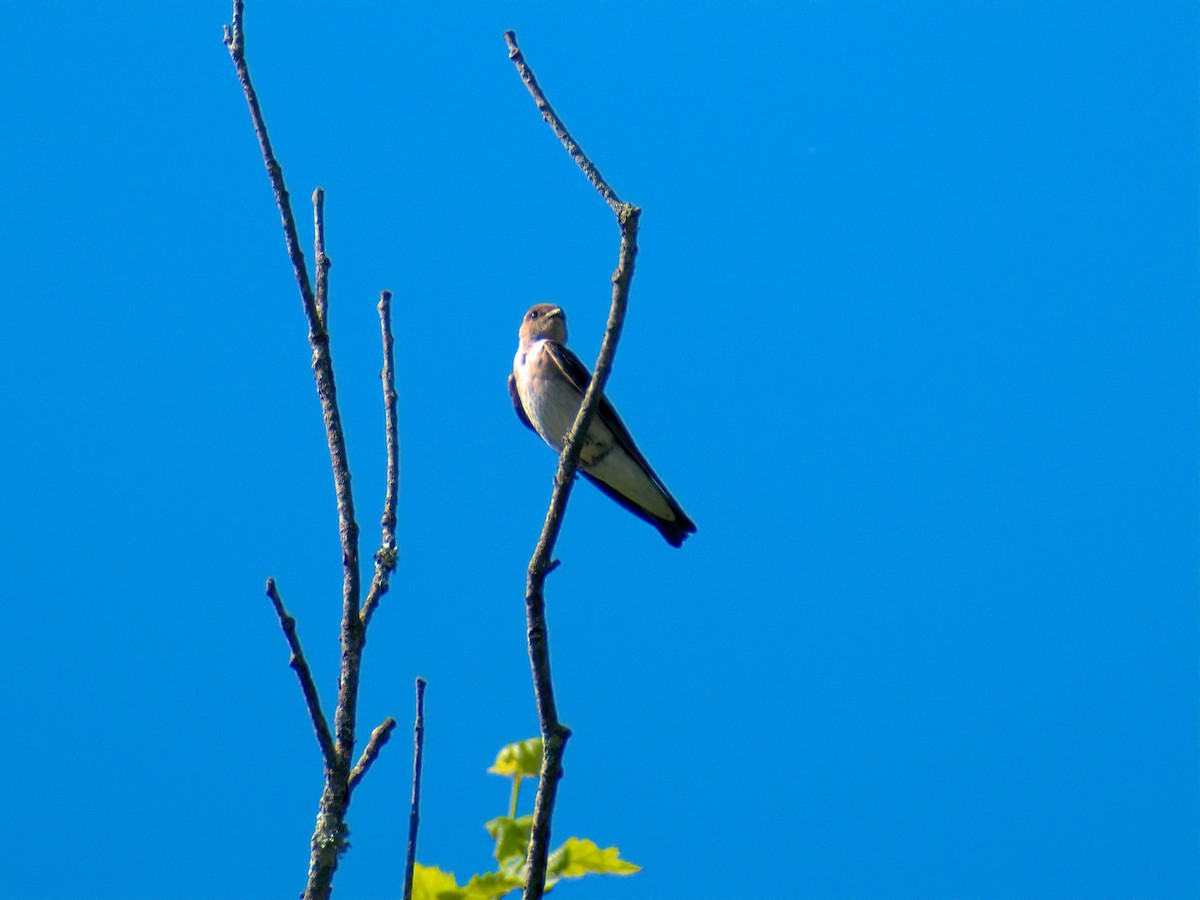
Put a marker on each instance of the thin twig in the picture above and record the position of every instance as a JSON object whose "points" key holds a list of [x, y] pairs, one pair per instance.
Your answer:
{"points": [[414, 815], [385, 558], [557, 126], [311, 698], [329, 835], [379, 737], [323, 263], [235, 41], [554, 733]]}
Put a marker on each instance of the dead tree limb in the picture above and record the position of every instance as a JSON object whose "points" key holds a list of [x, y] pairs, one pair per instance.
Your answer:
{"points": [[385, 558], [554, 733], [414, 815], [329, 834], [307, 687]]}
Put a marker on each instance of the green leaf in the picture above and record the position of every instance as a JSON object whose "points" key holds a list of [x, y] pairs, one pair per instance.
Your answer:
{"points": [[511, 837], [523, 759], [579, 856], [431, 883], [491, 885]]}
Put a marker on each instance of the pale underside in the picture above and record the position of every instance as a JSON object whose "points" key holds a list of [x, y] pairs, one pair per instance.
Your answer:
{"points": [[551, 402]]}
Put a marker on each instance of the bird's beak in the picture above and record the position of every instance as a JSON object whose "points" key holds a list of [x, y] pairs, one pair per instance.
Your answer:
{"points": [[555, 312]]}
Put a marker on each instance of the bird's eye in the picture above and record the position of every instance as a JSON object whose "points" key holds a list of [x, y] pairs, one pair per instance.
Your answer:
{"points": [[533, 314]]}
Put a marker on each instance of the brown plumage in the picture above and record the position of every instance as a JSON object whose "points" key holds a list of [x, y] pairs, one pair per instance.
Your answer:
{"points": [[547, 385]]}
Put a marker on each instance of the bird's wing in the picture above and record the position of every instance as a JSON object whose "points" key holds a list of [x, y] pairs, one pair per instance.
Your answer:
{"points": [[674, 530], [577, 374], [516, 402]]}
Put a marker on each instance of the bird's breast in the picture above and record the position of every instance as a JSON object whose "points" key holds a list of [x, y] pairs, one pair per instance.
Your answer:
{"points": [[551, 401]]}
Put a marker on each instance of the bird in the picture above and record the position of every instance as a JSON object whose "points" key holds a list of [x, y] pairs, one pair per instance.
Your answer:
{"points": [[546, 386]]}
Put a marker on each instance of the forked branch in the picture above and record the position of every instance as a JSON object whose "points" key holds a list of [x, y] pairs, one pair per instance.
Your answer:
{"points": [[328, 840], [554, 733]]}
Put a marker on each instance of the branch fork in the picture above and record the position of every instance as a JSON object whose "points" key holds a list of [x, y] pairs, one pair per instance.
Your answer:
{"points": [[337, 747]]}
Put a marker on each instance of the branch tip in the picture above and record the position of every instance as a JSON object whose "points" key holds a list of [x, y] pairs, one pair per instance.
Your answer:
{"points": [[233, 33], [414, 811], [386, 556], [379, 737], [574, 150], [308, 687]]}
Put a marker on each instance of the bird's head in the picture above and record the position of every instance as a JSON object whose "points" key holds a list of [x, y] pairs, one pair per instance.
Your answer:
{"points": [[544, 322]]}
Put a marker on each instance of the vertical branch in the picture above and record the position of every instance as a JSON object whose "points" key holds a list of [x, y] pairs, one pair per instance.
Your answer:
{"points": [[414, 814], [321, 300], [554, 733], [385, 558], [329, 834]]}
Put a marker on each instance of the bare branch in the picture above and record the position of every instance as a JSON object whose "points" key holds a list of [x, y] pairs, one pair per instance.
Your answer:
{"points": [[311, 699], [414, 814], [323, 263], [379, 737], [385, 558], [557, 126], [235, 41], [329, 835], [554, 733]]}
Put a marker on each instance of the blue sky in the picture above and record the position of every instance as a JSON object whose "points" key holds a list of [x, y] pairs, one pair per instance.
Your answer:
{"points": [[912, 337]]}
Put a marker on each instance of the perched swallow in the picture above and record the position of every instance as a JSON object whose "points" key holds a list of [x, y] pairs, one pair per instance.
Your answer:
{"points": [[547, 385]]}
